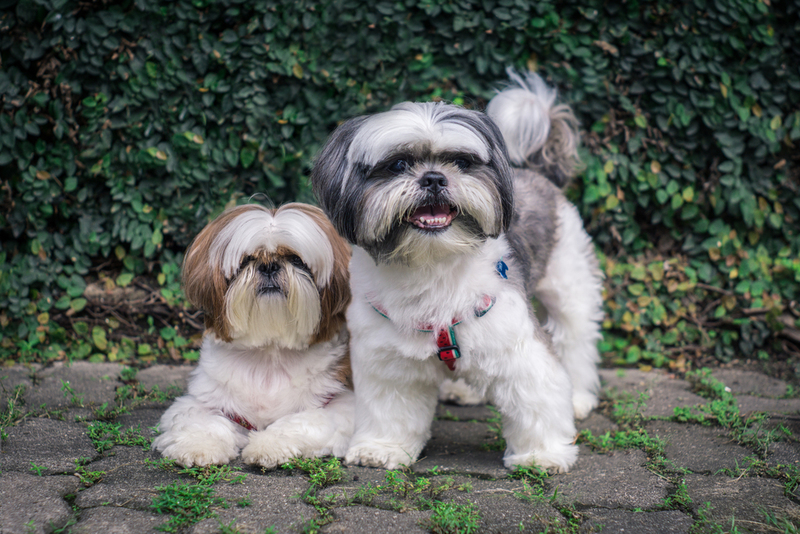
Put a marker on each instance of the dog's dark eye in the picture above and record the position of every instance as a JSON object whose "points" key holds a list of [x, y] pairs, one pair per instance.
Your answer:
{"points": [[462, 163], [245, 261], [296, 261], [398, 166]]}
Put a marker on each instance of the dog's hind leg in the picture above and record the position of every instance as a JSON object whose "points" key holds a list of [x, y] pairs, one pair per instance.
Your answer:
{"points": [[460, 393], [571, 292]]}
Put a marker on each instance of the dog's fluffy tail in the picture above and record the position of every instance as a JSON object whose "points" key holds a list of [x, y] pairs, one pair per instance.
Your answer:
{"points": [[539, 134]]}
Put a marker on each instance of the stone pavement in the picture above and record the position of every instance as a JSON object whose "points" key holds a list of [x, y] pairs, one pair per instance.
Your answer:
{"points": [[72, 460]]}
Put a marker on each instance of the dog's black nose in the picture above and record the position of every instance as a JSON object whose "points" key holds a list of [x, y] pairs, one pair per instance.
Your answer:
{"points": [[433, 181], [269, 268]]}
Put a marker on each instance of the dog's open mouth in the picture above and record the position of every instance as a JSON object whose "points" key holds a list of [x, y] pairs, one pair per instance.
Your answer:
{"points": [[433, 217]]}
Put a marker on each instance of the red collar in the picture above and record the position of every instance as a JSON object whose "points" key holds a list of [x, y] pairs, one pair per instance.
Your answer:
{"points": [[244, 423], [447, 346], [239, 420]]}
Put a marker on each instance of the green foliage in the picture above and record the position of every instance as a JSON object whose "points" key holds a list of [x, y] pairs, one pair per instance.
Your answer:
{"points": [[87, 478], [495, 428], [125, 127], [722, 409], [322, 473], [12, 413], [105, 435], [534, 483], [187, 503], [38, 469], [453, 518]]}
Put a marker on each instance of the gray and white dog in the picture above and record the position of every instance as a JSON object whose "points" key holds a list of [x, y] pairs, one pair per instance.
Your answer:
{"points": [[457, 218]]}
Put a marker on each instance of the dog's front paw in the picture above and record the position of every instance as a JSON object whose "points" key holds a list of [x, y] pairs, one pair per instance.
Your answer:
{"points": [[583, 402], [554, 460], [269, 450], [386, 456], [196, 450]]}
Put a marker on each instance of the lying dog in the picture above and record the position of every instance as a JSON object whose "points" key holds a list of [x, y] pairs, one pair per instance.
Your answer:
{"points": [[450, 244], [274, 366]]}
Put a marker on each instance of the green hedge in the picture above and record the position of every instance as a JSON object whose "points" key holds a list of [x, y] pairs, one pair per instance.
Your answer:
{"points": [[124, 127]]}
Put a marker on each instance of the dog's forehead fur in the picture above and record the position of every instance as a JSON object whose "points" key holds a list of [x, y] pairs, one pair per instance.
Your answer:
{"points": [[438, 127], [255, 228]]}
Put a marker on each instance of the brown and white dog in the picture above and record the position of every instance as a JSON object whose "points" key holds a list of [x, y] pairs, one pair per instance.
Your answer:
{"points": [[274, 371]]}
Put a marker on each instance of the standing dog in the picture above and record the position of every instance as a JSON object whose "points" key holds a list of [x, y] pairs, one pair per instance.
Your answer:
{"points": [[274, 364], [450, 244]]}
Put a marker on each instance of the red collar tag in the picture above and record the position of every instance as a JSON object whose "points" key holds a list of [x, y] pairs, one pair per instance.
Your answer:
{"points": [[239, 420], [447, 346]]}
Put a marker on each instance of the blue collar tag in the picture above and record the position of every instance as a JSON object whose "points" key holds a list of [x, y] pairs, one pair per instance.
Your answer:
{"points": [[502, 268]]}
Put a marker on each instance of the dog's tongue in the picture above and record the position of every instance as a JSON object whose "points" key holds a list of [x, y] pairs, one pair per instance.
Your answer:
{"points": [[433, 216]]}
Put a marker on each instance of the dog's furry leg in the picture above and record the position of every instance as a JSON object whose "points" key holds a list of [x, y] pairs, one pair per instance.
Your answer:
{"points": [[395, 404], [308, 434], [191, 434], [459, 392], [536, 405], [571, 290]]}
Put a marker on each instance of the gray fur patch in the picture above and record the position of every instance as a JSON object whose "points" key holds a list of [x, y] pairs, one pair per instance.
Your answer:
{"points": [[533, 230]]}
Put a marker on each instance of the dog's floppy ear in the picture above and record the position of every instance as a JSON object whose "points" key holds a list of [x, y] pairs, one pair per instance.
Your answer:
{"points": [[330, 171], [486, 127], [335, 295], [204, 283], [501, 167]]}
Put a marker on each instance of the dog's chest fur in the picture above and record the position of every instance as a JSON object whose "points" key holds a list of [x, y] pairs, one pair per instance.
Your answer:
{"points": [[263, 385]]}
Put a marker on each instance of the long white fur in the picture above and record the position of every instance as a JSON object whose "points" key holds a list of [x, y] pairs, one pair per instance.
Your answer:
{"points": [[263, 320], [277, 390], [268, 374], [259, 229], [570, 292], [529, 98], [397, 379], [528, 372], [404, 126]]}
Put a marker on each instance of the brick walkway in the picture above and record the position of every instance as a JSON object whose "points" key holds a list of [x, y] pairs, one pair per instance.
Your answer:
{"points": [[644, 467]]}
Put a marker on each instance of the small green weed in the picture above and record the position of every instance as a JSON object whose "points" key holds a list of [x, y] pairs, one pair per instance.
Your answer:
{"points": [[12, 414], [452, 518], [627, 409], [69, 393], [704, 524], [211, 474], [422, 488], [87, 478], [571, 524], [622, 439], [208, 475], [188, 504], [679, 499], [753, 466], [447, 417], [723, 410], [497, 442], [788, 524], [37, 468], [534, 482], [105, 435], [128, 374], [321, 472]]}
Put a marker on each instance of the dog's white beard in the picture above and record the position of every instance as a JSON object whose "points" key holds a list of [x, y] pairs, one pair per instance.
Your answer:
{"points": [[273, 319], [419, 250]]}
